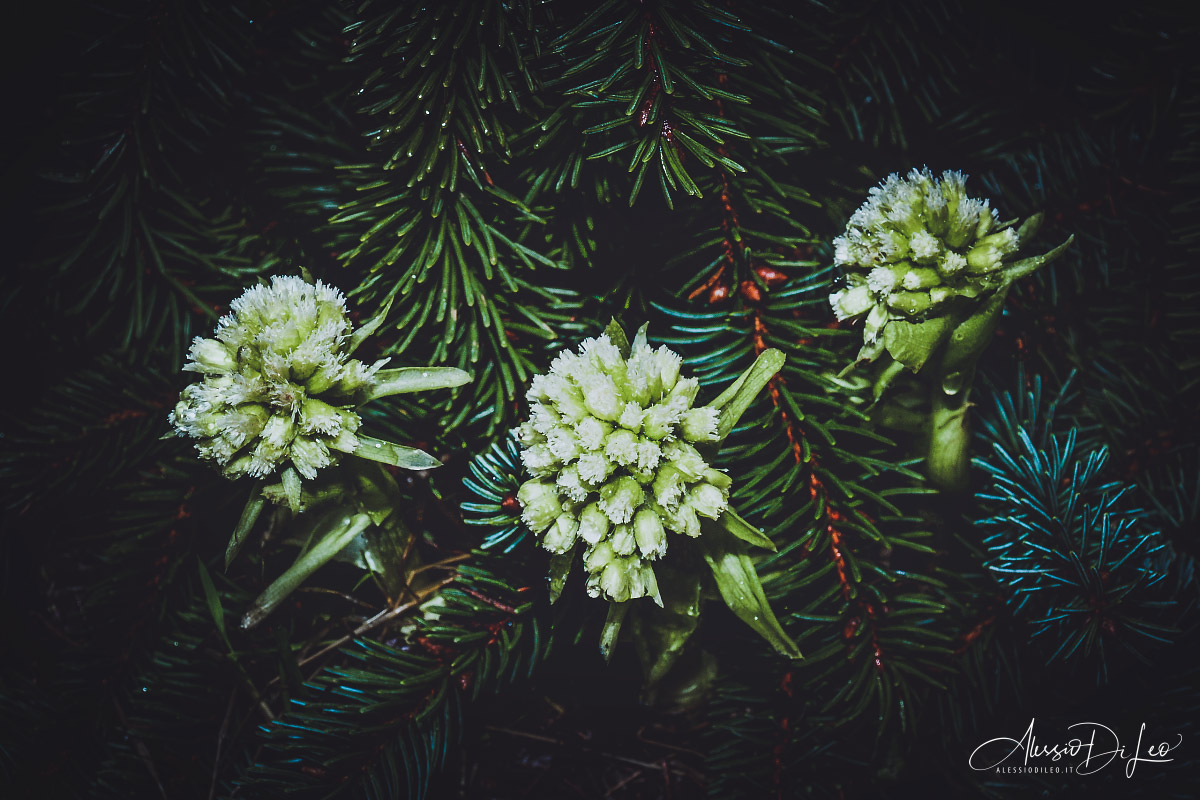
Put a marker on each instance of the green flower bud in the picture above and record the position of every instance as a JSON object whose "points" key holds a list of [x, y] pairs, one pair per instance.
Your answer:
{"points": [[910, 303], [699, 424], [912, 246], [669, 485], [560, 536], [622, 447], [608, 446], [616, 581], [593, 523], [622, 539], [540, 505], [650, 534], [599, 556], [277, 382], [620, 497], [708, 500], [686, 459], [211, 357]]}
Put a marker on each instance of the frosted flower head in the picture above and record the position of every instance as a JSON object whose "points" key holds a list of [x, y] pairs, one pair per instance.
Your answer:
{"points": [[610, 445], [277, 383], [916, 245]]}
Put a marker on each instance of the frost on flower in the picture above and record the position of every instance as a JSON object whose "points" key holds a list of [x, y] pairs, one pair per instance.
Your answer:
{"points": [[918, 245], [610, 448], [277, 383]]}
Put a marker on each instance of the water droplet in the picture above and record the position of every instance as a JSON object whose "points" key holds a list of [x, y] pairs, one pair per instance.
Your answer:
{"points": [[379, 444], [952, 383]]}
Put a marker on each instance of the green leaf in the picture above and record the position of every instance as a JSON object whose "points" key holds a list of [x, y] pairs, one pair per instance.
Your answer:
{"points": [[290, 480], [612, 628], [660, 634], [734, 401], [1028, 228], [971, 337], [214, 602], [731, 522], [254, 506], [560, 570], [741, 589], [415, 379], [912, 343], [394, 454], [370, 326], [339, 530], [1019, 269], [617, 334]]}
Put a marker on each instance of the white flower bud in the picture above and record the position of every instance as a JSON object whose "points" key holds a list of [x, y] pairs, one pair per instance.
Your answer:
{"points": [[622, 540], [571, 484], [607, 444], [560, 536], [668, 486], [539, 460], [650, 534], [615, 582], [310, 455], [708, 500], [540, 505], [915, 243], [699, 424], [593, 523], [598, 557], [278, 384], [685, 521], [210, 356], [600, 395], [622, 447], [594, 468], [317, 416], [686, 459], [619, 498], [851, 302], [631, 416], [591, 433]]}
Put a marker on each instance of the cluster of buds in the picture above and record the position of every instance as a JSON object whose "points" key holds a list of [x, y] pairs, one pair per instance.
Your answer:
{"points": [[278, 384], [610, 448], [915, 245]]}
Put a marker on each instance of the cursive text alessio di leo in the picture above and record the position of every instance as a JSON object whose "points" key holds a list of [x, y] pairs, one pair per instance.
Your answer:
{"points": [[1094, 744]]}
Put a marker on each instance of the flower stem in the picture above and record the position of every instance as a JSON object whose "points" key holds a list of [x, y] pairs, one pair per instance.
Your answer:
{"points": [[947, 456]]}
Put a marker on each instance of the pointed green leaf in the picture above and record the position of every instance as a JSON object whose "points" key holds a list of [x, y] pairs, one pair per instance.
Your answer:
{"points": [[612, 628], [731, 522], [1028, 228], [1019, 269], [214, 602], [617, 335], [560, 570], [660, 634], [370, 326], [290, 480], [734, 401], [337, 531], [241, 532], [415, 379], [971, 337], [742, 591], [394, 454]]}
